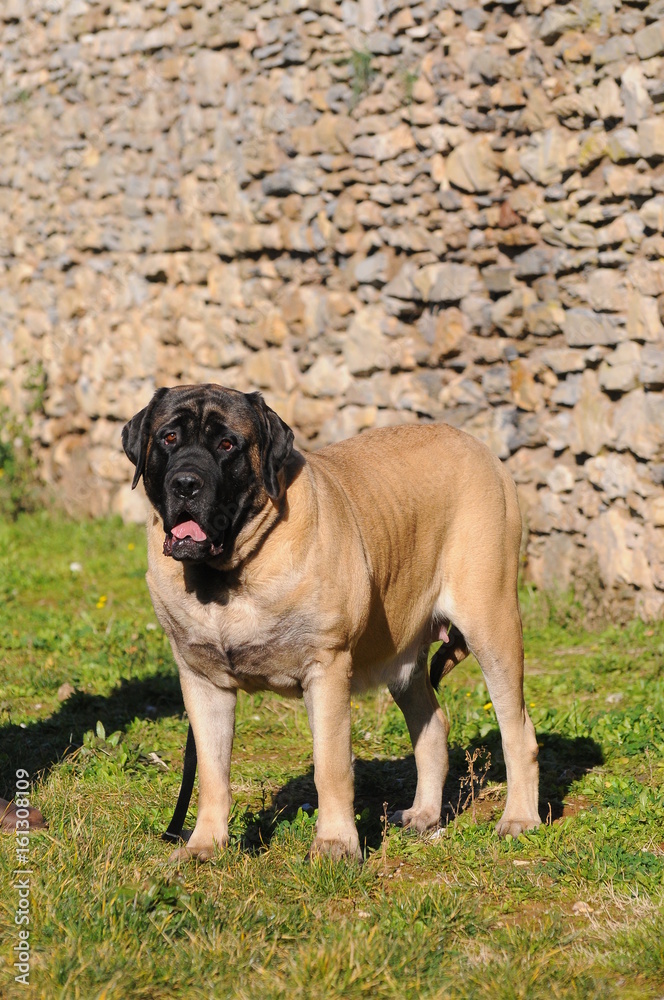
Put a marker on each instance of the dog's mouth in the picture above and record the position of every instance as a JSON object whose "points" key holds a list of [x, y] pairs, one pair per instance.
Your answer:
{"points": [[187, 540]]}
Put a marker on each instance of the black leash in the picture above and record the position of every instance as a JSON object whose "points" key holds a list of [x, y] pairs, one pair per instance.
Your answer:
{"points": [[174, 831]]}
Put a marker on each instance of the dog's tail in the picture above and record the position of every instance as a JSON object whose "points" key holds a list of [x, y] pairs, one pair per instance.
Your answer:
{"points": [[448, 654]]}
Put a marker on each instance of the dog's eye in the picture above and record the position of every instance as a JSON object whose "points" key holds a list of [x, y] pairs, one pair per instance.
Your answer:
{"points": [[226, 445], [170, 438]]}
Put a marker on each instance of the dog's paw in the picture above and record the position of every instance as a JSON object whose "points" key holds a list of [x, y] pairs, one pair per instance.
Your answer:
{"points": [[338, 850], [514, 827], [199, 852], [420, 820]]}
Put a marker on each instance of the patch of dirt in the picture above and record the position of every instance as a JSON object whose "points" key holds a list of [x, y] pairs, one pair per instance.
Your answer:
{"points": [[573, 806], [529, 911], [487, 806]]}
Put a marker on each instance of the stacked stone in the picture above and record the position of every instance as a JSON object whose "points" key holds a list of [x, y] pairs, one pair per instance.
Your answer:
{"points": [[376, 211]]}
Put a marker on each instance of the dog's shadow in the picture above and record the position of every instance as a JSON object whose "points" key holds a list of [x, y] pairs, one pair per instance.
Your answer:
{"points": [[383, 786], [37, 746]]}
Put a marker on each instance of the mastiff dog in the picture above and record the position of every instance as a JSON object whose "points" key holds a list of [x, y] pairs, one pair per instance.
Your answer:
{"points": [[323, 575]]}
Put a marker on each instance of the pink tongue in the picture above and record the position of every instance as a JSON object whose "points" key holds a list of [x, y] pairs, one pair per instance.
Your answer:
{"points": [[189, 529]]}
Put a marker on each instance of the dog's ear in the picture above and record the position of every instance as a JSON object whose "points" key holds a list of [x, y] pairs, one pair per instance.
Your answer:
{"points": [[135, 436], [276, 443]]}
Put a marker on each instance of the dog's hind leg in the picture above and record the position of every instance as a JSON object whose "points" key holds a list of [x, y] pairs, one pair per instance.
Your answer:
{"points": [[480, 597], [494, 636], [428, 730]]}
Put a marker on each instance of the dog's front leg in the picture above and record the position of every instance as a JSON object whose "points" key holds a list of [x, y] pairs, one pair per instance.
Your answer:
{"points": [[327, 698], [211, 711]]}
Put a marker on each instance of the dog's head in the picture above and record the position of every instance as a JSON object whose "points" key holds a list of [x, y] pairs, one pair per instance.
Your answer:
{"points": [[210, 458]]}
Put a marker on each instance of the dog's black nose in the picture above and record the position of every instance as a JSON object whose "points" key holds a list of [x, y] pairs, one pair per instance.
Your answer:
{"points": [[186, 484]]}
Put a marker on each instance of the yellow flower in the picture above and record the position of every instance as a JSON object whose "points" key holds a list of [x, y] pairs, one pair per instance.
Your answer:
{"points": [[101, 602], [2, 472], [532, 704], [488, 705], [131, 546]]}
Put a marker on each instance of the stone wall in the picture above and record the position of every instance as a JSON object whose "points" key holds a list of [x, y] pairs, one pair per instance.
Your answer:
{"points": [[377, 212]]}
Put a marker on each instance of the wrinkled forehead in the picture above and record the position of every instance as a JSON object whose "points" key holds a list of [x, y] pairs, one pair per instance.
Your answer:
{"points": [[207, 404]]}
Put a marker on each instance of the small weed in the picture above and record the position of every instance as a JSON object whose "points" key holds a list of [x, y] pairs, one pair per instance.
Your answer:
{"points": [[362, 73], [19, 480], [475, 782], [36, 383], [409, 80], [20, 489]]}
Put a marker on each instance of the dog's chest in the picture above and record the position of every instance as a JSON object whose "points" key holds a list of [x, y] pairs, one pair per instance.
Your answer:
{"points": [[247, 642]]}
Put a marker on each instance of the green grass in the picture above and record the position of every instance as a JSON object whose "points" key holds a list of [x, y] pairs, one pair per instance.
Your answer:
{"points": [[575, 909]]}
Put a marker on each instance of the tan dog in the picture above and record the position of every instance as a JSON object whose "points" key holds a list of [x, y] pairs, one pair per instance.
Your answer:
{"points": [[321, 576]]}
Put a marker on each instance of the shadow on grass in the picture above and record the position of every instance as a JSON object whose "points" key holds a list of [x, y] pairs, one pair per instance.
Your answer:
{"points": [[43, 743], [562, 761]]}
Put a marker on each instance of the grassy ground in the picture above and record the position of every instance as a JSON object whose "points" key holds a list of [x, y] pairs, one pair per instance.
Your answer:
{"points": [[573, 910]]}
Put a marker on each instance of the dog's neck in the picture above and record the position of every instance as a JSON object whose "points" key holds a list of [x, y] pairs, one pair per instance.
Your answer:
{"points": [[255, 531], [250, 538]]}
